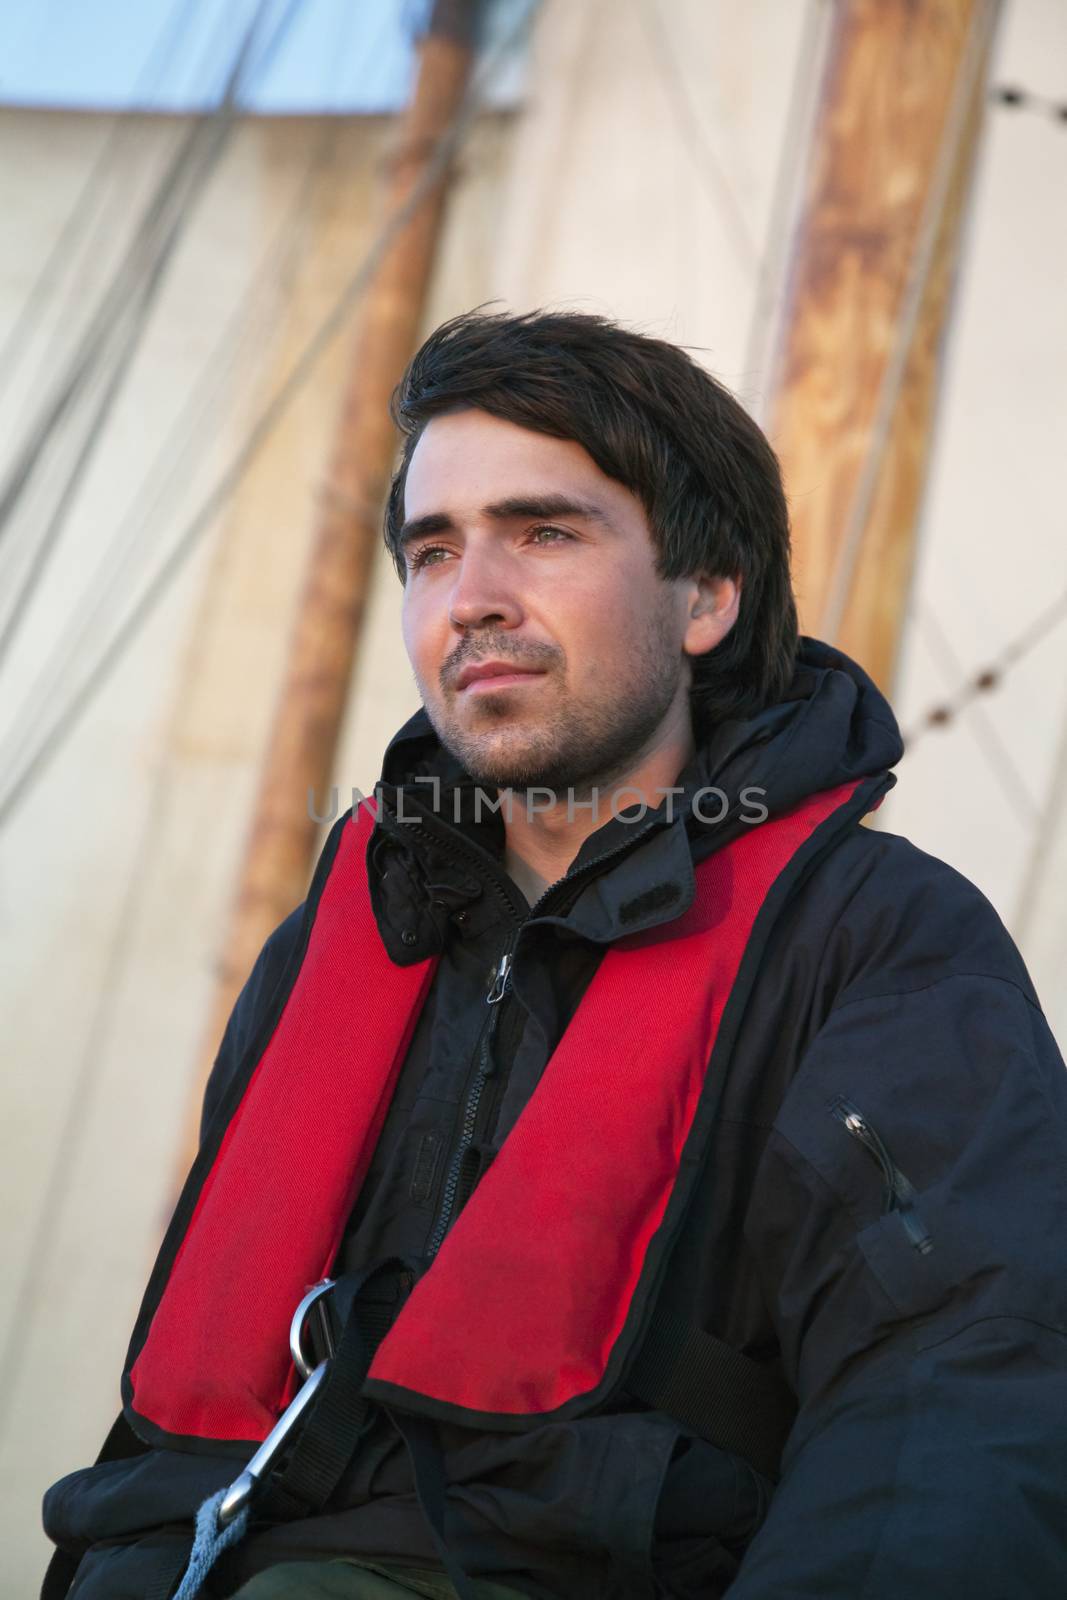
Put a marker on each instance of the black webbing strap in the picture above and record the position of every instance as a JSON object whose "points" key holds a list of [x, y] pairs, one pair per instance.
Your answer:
{"points": [[428, 1466], [170, 1570], [730, 1400], [330, 1435]]}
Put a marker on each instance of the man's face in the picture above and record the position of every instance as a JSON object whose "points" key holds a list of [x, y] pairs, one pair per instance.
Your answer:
{"points": [[520, 550]]}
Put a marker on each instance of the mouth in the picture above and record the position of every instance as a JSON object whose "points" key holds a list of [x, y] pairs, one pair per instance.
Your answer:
{"points": [[483, 678], [499, 680]]}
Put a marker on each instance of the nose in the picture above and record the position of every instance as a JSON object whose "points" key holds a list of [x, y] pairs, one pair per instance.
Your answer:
{"points": [[482, 593]]}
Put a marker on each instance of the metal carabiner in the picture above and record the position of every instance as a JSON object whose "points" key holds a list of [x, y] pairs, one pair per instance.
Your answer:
{"points": [[241, 1490]]}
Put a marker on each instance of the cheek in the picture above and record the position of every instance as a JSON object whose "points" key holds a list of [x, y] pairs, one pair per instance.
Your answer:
{"points": [[408, 631], [599, 609], [413, 628]]}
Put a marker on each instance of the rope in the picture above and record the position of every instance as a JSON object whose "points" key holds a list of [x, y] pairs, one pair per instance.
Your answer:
{"points": [[172, 457], [80, 217], [209, 1544], [162, 217], [705, 160], [118, 326], [991, 676], [1015, 99], [276, 408], [761, 356], [1012, 782], [131, 540]]}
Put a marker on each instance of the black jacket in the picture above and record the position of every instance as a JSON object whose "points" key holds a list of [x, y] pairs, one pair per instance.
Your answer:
{"points": [[881, 1211]]}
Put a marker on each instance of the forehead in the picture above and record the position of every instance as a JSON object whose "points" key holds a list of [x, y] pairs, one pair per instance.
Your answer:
{"points": [[468, 459]]}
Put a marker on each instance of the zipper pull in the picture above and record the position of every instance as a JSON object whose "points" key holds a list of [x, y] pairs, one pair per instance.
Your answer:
{"points": [[501, 980], [899, 1191]]}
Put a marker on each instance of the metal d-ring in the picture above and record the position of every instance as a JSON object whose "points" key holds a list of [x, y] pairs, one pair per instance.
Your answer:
{"points": [[314, 1297]]}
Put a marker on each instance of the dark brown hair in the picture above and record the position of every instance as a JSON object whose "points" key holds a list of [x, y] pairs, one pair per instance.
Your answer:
{"points": [[654, 420]]}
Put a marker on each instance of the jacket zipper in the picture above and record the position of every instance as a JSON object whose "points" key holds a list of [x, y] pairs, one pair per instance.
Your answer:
{"points": [[594, 861], [899, 1191], [498, 988]]}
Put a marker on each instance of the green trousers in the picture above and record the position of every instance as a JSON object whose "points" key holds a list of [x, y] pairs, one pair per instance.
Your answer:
{"points": [[357, 1580]]}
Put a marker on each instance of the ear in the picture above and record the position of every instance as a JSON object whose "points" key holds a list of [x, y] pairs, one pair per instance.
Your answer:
{"points": [[713, 605]]}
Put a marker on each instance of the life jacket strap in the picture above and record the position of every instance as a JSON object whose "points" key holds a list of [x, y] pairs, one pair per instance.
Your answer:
{"points": [[738, 1404], [694, 1377], [340, 1413], [420, 1434]]}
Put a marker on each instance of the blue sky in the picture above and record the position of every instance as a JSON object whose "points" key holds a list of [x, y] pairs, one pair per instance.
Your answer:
{"points": [[170, 55]]}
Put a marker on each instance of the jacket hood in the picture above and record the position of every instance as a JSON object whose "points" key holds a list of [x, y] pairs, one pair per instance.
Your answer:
{"points": [[832, 726]]}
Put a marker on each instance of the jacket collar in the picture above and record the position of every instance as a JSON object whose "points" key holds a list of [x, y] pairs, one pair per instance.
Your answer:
{"points": [[430, 876]]}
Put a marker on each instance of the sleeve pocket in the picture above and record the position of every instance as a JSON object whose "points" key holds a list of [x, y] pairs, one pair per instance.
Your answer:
{"points": [[918, 1283]]}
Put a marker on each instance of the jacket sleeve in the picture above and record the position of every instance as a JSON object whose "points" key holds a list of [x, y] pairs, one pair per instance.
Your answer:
{"points": [[249, 1011], [918, 1278]]}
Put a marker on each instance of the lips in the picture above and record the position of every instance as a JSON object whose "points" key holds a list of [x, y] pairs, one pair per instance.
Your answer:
{"points": [[481, 671]]}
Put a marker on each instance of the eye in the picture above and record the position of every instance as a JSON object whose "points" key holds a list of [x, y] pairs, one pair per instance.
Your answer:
{"points": [[549, 528], [419, 558]]}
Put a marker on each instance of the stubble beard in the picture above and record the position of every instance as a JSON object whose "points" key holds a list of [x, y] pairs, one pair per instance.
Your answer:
{"points": [[579, 745]]}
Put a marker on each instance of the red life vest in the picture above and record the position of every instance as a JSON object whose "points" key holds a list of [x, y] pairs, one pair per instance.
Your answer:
{"points": [[544, 1283]]}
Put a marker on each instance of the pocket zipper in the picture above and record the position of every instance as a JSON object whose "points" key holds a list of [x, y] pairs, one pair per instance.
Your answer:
{"points": [[899, 1192]]}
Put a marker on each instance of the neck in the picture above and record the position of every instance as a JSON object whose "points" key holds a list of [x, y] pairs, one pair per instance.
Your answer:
{"points": [[543, 836]]}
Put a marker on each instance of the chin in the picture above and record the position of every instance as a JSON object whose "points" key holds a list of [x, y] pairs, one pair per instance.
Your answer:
{"points": [[502, 763]]}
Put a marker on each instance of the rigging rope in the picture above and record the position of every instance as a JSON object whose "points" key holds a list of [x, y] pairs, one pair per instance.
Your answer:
{"points": [[79, 1094], [990, 677], [299, 374], [1015, 99], [998, 756], [61, 256], [169, 196], [243, 339], [786, 198], [117, 327], [706, 162]]}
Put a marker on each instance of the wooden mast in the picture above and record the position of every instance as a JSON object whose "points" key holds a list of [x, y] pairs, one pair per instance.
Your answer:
{"points": [[872, 269], [303, 740]]}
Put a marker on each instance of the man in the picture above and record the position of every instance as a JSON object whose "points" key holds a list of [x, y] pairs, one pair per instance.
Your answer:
{"points": [[688, 1157]]}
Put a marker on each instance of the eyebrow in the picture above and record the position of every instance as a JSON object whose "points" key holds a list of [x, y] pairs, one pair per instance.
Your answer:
{"points": [[509, 510]]}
